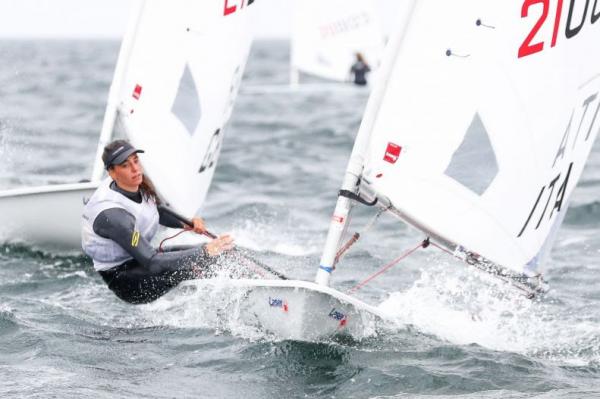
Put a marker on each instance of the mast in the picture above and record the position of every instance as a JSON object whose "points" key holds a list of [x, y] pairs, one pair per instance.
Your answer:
{"points": [[354, 169], [110, 115]]}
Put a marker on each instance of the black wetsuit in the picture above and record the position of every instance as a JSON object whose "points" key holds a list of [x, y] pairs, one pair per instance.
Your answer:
{"points": [[150, 274], [360, 70]]}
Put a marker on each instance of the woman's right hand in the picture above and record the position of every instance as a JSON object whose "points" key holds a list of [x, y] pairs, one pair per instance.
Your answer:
{"points": [[219, 245]]}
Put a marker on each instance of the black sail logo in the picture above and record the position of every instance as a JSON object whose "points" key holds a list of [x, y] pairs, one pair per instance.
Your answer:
{"points": [[212, 152]]}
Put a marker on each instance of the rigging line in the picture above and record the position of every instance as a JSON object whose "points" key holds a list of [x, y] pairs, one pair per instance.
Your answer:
{"points": [[442, 248], [356, 197], [422, 244], [160, 248], [355, 237], [529, 292], [245, 260], [244, 255], [256, 270], [213, 236]]}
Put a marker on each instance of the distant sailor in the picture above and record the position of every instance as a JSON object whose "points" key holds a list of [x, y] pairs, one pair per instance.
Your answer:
{"points": [[359, 70], [120, 220]]}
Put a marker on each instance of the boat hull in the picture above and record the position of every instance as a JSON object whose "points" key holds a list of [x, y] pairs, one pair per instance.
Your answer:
{"points": [[294, 309], [45, 216]]}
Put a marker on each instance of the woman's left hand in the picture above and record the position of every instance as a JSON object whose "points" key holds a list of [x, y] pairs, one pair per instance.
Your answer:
{"points": [[219, 245], [198, 225]]}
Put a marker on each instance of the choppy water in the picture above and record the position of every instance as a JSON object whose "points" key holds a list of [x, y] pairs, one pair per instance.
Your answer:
{"points": [[63, 334]]}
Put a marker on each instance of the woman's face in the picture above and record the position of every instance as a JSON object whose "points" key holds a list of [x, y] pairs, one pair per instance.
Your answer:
{"points": [[129, 174]]}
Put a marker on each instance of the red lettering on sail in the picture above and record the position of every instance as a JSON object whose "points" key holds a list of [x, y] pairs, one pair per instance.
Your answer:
{"points": [[577, 19], [229, 9]]}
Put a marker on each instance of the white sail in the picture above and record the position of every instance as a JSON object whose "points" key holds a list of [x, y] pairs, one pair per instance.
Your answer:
{"points": [[326, 35], [486, 121], [181, 80], [112, 103]]}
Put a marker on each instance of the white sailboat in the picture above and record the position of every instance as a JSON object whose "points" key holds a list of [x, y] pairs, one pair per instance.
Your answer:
{"points": [[325, 37], [175, 83], [476, 134]]}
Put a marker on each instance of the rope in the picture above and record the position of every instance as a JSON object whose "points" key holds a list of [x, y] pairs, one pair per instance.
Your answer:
{"points": [[160, 249], [355, 237], [188, 223], [253, 268], [527, 291], [443, 249], [423, 244], [250, 264], [346, 246]]}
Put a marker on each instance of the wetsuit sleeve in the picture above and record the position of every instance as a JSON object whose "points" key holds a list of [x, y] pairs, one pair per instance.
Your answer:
{"points": [[167, 220], [118, 225]]}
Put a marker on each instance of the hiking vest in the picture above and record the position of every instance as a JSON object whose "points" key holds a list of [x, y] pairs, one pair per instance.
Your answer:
{"points": [[105, 252]]}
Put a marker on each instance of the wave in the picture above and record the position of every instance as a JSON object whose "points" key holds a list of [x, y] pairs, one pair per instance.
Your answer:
{"points": [[65, 259], [465, 307], [585, 215], [8, 322]]}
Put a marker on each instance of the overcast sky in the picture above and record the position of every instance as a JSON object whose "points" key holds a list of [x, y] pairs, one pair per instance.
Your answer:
{"points": [[107, 18]]}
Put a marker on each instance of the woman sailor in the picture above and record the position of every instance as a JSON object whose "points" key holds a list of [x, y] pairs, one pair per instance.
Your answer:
{"points": [[120, 220]]}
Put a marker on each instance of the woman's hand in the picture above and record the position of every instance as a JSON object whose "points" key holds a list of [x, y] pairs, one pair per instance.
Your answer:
{"points": [[219, 245], [198, 225]]}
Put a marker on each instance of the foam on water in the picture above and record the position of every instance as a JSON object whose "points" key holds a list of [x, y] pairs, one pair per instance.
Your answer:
{"points": [[207, 307], [261, 236], [466, 307], [256, 235]]}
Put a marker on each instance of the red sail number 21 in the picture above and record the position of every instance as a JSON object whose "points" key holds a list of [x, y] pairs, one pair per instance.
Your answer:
{"points": [[529, 47]]}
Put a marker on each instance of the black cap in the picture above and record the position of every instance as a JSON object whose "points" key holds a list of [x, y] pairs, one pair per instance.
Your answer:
{"points": [[117, 152]]}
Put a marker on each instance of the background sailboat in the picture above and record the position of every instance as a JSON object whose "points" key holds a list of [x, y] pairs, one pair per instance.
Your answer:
{"points": [[173, 91], [325, 37]]}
